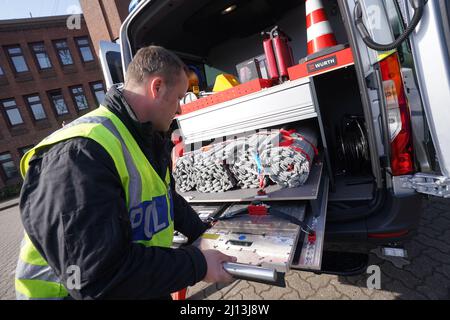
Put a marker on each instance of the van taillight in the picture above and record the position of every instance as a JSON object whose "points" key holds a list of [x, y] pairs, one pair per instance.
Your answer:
{"points": [[399, 120]]}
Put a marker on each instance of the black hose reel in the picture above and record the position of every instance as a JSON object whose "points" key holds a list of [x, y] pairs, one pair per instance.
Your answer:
{"points": [[352, 145]]}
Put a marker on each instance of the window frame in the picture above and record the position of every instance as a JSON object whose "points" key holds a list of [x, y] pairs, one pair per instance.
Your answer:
{"points": [[5, 111], [88, 45], [50, 97], [30, 104], [92, 84], [73, 95], [55, 46], [36, 59], [16, 175], [11, 55]]}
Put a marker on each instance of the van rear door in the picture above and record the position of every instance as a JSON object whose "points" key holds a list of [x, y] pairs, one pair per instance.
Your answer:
{"points": [[421, 91], [430, 45]]}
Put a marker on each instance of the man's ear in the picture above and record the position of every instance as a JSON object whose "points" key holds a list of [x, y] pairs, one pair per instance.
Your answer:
{"points": [[154, 88]]}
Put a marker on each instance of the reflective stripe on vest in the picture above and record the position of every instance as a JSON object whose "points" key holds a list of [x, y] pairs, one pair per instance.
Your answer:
{"points": [[34, 277], [148, 197]]}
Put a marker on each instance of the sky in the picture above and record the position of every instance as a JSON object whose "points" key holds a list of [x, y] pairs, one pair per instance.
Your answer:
{"points": [[16, 9]]}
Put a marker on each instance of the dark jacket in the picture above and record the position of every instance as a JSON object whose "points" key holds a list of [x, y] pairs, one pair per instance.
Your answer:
{"points": [[73, 209]]}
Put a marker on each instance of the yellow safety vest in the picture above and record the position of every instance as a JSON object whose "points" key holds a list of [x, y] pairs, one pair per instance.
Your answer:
{"points": [[148, 198]]}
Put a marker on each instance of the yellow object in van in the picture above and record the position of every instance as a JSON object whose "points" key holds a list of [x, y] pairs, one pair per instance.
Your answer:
{"points": [[224, 82]]}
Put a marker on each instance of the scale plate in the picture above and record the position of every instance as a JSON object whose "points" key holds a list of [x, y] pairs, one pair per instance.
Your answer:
{"points": [[265, 241]]}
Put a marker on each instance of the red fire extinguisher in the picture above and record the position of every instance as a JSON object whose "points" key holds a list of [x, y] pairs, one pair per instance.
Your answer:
{"points": [[278, 54], [272, 67]]}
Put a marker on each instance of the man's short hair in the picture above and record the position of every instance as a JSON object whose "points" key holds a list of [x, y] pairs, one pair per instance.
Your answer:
{"points": [[155, 60]]}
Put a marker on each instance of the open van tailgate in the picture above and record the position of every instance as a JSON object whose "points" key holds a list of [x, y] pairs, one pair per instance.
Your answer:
{"points": [[432, 61]]}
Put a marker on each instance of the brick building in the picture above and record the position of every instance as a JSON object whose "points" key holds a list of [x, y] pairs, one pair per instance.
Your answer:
{"points": [[104, 18], [48, 75]]}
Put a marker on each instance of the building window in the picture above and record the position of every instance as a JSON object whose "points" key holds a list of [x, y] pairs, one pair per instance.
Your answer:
{"points": [[24, 150], [57, 98], [12, 112], [35, 104], [17, 59], [8, 167], [65, 57], [2, 73], [79, 98], [99, 91], [85, 49], [41, 55]]}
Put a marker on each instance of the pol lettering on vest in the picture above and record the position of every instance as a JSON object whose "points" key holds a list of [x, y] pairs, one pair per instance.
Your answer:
{"points": [[149, 218]]}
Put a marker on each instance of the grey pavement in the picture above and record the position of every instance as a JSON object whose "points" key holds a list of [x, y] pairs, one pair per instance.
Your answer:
{"points": [[426, 277], [9, 203], [11, 233]]}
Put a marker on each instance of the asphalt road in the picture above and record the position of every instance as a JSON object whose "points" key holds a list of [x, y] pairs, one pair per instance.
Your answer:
{"points": [[426, 277], [11, 233]]}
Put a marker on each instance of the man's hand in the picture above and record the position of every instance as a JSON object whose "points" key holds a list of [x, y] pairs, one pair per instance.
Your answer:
{"points": [[216, 272]]}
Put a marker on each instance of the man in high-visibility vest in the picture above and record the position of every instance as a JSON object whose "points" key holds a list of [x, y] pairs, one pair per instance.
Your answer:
{"points": [[98, 203]]}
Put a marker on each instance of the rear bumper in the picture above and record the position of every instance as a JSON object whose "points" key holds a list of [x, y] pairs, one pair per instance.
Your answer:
{"points": [[399, 217]]}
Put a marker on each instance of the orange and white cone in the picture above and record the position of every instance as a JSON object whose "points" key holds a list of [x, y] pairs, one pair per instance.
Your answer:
{"points": [[318, 28]]}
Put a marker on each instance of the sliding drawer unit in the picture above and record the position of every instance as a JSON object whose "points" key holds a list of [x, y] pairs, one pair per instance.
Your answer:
{"points": [[271, 241]]}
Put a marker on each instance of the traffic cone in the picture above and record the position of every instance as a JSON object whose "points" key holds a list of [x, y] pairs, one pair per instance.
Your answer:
{"points": [[318, 28]]}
